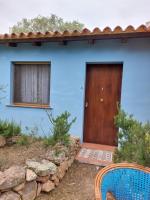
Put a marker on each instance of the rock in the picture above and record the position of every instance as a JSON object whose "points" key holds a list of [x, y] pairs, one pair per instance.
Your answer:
{"points": [[19, 187], [39, 189], [62, 169], [2, 141], [64, 166], [60, 173], [70, 161], [55, 157], [55, 179], [41, 168], [74, 140], [12, 140], [48, 186], [12, 177], [15, 139], [74, 146], [42, 179], [29, 192], [10, 196], [30, 175]]}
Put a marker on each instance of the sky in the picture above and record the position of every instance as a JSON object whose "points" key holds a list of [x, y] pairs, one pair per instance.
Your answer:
{"points": [[93, 13]]}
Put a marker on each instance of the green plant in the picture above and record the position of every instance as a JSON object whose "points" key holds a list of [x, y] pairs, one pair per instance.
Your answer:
{"points": [[9, 129], [23, 140], [60, 129], [49, 141], [32, 132], [133, 140], [45, 23]]}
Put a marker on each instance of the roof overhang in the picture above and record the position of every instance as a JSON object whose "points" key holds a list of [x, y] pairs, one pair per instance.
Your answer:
{"points": [[96, 34]]}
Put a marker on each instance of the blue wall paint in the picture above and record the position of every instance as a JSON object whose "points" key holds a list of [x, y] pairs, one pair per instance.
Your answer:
{"points": [[68, 67]]}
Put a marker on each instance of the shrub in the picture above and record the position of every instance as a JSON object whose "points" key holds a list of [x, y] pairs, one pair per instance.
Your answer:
{"points": [[23, 140], [133, 140], [9, 129], [60, 129], [32, 132]]}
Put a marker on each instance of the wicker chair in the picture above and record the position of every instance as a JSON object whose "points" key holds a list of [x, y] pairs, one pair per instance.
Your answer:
{"points": [[125, 181]]}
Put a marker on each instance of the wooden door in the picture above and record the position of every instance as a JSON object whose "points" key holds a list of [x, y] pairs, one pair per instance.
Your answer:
{"points": [[103, 91]]}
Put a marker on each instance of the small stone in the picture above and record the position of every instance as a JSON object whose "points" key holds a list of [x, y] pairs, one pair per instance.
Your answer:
{"points": [[12, 177], [39, 189], [55, 179], [42, 179], [56, 157], [12, 140], [30, 175], [64, 166], [30, 191], [15, 139], [74, 139], [41, 168], [70, 161], [2, 141], [48, 186], [19, 187], [60, 173], [10, 196], [62, 169]]}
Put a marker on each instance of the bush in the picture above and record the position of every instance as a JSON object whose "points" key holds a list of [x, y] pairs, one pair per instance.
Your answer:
{"points": [[133, 140], [60, 129], [9, 129], [23, 140]]}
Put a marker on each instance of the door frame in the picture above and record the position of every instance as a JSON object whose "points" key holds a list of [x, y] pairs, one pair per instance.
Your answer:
{"points": [[85, 79]]}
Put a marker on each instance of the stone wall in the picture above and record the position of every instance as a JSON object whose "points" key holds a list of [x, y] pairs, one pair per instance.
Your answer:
{"points": [[27, 182]]}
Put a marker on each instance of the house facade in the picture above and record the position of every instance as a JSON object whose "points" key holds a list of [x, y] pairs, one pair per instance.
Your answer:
{"points": [[86, 74]]}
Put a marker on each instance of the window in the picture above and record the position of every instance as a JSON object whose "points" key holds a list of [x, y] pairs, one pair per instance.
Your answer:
{"points": [[31, 84]]}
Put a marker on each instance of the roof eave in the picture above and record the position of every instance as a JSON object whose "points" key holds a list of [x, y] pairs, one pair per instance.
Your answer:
{"points": [[81, 37]]}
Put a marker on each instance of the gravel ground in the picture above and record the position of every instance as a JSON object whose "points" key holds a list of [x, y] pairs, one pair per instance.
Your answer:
{"points": [[78, 184], [17, 155]]}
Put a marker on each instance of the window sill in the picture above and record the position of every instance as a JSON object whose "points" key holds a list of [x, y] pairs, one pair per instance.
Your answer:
{"points": [[23, 105]]}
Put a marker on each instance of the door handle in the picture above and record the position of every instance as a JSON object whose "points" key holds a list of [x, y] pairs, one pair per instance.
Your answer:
{"points": [[86, 104]]}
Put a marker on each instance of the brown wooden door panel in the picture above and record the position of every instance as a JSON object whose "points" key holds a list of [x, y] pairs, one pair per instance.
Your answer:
{"points": [[103, 91]]}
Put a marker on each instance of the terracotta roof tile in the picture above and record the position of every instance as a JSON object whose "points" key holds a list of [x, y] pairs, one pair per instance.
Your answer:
{"points": [[130, 29], [75, 33], [117, 29], [106, 33], [85, 31], [96, 31]]}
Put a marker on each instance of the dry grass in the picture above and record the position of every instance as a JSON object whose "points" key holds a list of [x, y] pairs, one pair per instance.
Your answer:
{"points": [[17, 154]]}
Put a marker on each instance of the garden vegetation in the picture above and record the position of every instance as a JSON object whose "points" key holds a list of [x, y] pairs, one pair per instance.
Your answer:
{"points": [[133, 140]]}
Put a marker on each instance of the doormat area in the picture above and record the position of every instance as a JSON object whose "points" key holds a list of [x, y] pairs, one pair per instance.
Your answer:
{"points": [[101, 155]]}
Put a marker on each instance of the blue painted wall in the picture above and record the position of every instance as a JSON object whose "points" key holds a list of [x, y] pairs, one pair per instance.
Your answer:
{"points": [[68, 67]]}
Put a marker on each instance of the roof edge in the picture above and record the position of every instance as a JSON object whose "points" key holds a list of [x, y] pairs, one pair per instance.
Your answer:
{"points": [[85, 34]]}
